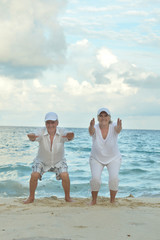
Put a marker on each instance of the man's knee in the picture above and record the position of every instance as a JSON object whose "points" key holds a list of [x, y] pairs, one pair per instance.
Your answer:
{"points": [[64, 176], [35, 176]]}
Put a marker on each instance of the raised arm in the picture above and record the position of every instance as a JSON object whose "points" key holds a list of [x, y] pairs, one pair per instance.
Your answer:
{"points": [[32, 137], [118, 127], [91, 127]]}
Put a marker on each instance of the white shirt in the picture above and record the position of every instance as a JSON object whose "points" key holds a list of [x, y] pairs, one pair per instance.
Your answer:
{"points": [[49, 157], [105, 150]]}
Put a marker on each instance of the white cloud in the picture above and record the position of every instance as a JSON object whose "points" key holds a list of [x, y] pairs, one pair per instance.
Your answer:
{"points": [[106, 57], [83, 43], [30, 33], [136, 13], [100, 9], [85, 89], [22, 96], [111, 60]]}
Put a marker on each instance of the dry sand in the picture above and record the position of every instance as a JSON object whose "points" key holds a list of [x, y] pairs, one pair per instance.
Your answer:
{"points": [[54, 219]]}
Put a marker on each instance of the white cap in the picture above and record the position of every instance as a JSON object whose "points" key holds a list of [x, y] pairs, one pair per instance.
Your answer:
{"points": [[51, 116], [103, 110]]}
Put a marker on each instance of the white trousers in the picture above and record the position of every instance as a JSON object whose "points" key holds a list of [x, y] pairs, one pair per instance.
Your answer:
{"points": [[96, 171]]}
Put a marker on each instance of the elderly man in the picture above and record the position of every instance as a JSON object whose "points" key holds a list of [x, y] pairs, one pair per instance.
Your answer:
{"points": [[50, 155]]}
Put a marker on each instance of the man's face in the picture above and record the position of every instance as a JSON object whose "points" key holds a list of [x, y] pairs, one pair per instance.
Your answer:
{"points": [[51, 125]]}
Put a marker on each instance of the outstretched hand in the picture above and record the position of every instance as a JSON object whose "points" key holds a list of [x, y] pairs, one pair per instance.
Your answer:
{"points": [[92, 122], [119, 125], [69, 136], [91, 127], [32, 137]]}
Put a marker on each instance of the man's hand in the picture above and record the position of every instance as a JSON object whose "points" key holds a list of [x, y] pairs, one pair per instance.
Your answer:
{"points": [[32, 137], [69, 136]]}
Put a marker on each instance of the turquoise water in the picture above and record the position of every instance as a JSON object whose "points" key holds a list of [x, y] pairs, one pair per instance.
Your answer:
{"points": [[139, 173]]}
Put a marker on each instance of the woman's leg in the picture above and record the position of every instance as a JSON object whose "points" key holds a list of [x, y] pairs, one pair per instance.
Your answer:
{"points": [[96, 171], [113, 170]]}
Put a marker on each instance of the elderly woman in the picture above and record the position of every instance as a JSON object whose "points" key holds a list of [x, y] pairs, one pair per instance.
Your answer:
{"points": [[104, 152]]}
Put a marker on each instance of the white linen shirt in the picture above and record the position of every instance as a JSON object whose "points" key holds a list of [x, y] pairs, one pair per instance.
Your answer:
{"points": [[105, 150], [47, 156]]}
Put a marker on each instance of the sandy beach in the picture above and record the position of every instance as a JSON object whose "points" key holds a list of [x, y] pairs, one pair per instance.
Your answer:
{"points": [[53, 218]]}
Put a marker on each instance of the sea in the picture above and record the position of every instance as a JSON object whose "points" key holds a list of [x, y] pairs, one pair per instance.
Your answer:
{"points": [[139, 174]]}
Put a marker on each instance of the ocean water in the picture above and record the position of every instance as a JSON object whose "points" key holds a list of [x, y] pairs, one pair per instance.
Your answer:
{"points": [[139, 173]]}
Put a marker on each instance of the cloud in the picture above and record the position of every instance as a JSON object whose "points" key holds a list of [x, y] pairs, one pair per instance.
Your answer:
{"points": [[144, 80], [123, 86], [121, 24], [100, 76], [106, 58], [109, 59], [100, 9], [77, 96], [23, 95], [31, 36]]}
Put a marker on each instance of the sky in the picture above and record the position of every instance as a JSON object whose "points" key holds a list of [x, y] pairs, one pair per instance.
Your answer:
{"points": [[74, 57]]}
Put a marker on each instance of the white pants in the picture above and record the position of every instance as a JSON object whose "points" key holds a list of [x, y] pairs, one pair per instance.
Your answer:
{"points": [[96, 171]]}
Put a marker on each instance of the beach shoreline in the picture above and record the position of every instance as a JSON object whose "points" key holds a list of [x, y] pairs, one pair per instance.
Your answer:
{"points": [[52, 218]]}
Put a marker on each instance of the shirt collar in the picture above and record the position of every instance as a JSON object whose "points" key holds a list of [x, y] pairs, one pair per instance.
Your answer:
{"points": [[46, 132]]}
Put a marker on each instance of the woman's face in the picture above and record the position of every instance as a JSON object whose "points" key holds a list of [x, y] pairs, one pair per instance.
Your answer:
{"points": [[104, 118]]}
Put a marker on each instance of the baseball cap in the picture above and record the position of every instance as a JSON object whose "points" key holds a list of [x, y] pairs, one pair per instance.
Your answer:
{"points": [[103, 110], [51, 116]]}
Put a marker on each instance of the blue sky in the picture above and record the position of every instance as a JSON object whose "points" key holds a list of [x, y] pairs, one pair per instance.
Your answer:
{"points": [[73, 57]]}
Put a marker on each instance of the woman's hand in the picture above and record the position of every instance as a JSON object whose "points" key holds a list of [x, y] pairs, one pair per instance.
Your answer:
{"points": [[91, 127], [118, 128]]}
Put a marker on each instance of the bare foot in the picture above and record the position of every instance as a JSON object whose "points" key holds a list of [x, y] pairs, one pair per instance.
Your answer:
{"points": [[114, 204], [68, 199], [92, 203], [29, 200]]}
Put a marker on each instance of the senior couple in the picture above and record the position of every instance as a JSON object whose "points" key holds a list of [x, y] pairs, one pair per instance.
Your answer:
{"points": [[104, 152]]}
